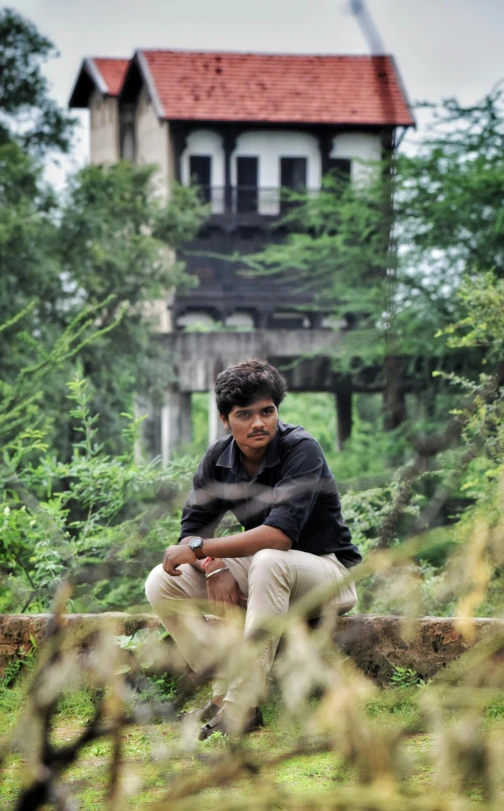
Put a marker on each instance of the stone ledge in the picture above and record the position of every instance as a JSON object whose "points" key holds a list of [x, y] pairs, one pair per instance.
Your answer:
{"points": [[376, 644]]}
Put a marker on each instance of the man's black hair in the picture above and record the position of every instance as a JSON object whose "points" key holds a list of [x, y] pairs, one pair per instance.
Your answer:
{"points": [[244, 383]]}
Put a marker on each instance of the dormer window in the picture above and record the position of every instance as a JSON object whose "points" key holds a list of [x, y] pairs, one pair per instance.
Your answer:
{"points": [[200, 174], [342, 167], [127, 145], [247, 173], [293, 173]]}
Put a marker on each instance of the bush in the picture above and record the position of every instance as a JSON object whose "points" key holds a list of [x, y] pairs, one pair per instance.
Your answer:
{"points": [[92, 520]]}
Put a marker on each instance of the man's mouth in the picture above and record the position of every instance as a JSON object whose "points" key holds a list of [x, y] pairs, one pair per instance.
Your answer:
{"points": [[258, 433]]}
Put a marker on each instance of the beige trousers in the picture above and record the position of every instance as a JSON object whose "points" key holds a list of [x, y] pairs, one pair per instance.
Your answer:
{"points": [[272, 581]]}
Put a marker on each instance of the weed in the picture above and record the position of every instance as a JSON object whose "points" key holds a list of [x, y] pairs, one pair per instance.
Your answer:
{"points": [[406, 677], [496, 710]]}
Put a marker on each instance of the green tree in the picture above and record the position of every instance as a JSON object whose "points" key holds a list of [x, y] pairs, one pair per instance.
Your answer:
{"points": [[451, 194], [447, 223], [29, 266], [337, 247], [110, 239], [117, 241], [107, 238], [27, 112]]}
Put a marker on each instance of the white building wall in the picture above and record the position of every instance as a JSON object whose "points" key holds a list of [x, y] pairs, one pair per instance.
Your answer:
{"points": [[359, 147], [104, 124], [159, 314], [269, 147], [207, 142], [152, 141], [153, 146]]}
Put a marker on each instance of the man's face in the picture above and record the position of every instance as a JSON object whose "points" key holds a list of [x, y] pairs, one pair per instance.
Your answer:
{"points": [[253, 426]]}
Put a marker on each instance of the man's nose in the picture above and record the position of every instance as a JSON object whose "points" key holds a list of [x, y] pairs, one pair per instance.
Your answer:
{"points": [[258, 422]]}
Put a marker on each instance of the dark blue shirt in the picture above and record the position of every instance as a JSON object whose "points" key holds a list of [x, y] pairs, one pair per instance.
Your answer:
{"points": [[293, 490]]}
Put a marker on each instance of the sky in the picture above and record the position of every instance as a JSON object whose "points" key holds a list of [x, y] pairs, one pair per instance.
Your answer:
{"points": [[442, 47]]}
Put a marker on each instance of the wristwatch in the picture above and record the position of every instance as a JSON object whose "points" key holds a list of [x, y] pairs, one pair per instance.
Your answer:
{"points": [[196, 544]]}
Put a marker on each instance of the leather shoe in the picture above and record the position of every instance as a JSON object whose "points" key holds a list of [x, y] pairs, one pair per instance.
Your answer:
{"points": [[218, 724], [202, 714]]}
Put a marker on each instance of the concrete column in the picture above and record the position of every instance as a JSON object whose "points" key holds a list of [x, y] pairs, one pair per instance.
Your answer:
{"points": [[215, 427], [148, 445], [175, 421], [229, 144], [344, 417]]}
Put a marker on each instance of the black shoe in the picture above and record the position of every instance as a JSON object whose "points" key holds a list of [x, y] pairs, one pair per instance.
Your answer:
{"points": [[202, 714], [218, 724]]}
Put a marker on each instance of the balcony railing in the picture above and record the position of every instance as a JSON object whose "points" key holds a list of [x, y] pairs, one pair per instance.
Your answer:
{"points": [[268, 202]]}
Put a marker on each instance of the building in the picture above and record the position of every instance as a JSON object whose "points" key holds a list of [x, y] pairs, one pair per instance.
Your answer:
{"points": [[242, 126]]}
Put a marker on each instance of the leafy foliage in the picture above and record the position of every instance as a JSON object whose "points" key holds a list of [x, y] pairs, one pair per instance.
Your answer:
{"points": [[394, 298], [28, 114], [108, 246], [61, 519], [406, 677], [337, 247]]}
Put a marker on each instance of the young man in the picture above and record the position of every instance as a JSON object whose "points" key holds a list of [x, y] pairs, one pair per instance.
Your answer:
{"points": [[275, 480]]}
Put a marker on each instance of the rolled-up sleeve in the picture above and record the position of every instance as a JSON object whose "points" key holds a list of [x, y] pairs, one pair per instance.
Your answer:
{"points": [[203, 509], [295, 494]]}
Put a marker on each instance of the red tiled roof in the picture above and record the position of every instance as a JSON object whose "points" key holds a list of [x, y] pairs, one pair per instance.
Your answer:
{"points": [[278, 88], [113, 72]]}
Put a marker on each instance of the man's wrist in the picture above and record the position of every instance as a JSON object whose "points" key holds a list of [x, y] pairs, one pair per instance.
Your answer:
{"points": [[216, 572], [215, 563], [197, 560], [196, 546]]}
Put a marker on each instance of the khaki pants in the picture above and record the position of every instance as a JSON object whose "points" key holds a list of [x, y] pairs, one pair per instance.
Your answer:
{"points": [[272, 580]]}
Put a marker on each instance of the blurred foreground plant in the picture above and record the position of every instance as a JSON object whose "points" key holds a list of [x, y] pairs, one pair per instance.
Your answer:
{"points": [[326, 707]]}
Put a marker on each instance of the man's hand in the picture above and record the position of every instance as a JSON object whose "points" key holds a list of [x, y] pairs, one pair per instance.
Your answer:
{"points": [[174, 556], [223, 591]]}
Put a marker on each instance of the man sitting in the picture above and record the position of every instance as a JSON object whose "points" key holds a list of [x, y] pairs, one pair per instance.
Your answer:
{"points": [[274, 478]]}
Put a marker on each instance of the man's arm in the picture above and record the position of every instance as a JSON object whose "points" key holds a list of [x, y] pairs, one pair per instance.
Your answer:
{"points": [[241, 545], [203, 508], [215, 564]]}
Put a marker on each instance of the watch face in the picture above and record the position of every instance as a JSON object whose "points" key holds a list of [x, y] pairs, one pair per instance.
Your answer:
{"points": [[196, 544]]}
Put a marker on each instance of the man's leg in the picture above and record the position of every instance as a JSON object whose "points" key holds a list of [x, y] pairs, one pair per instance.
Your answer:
{"points": [[198, 643], [276, 580]]}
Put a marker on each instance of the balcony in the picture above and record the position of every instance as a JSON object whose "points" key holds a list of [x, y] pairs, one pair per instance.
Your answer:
{"points": [[248, 200]]}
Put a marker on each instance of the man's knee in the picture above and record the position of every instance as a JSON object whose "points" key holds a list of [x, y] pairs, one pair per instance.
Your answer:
{"points": [[268, 562], [154, 590]]}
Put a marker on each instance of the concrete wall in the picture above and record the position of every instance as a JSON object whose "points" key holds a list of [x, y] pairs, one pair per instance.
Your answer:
{"points": [[153, 146], [206, 142], [269, 146], [104, 128], [198, 355], [201, 318], [152, 141], [359, 147], [159, 314], [377, 645]]}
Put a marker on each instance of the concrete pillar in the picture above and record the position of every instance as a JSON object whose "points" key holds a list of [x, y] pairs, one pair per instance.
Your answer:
{"points": [[175, 421], [148, 445], [344, 417], [215, 427]]}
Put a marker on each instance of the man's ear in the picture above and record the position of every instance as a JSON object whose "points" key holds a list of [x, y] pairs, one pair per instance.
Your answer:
{"points": [[224, 421]]}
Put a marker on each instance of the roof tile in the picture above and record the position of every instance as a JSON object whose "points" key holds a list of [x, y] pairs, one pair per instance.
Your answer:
{"points": [[113, 72], [278, 88]]}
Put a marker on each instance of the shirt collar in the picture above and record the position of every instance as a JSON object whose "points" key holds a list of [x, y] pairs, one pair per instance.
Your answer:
{"points": [[230, 456]]}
